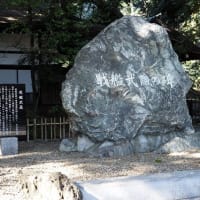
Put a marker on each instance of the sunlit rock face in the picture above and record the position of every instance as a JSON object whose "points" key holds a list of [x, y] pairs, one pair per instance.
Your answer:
{"points": [[126, 90]]}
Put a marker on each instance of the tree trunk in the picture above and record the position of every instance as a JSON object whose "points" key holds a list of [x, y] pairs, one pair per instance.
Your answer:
{"points": [[34, 72]]}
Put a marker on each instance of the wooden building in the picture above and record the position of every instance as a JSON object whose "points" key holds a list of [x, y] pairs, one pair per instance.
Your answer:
{"points": [[42, 81]]}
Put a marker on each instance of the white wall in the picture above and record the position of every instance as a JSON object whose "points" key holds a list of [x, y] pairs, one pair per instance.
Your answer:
{"points": [[8, 76], [16, 43], [25, 78], [11, 59], [12, 76]]}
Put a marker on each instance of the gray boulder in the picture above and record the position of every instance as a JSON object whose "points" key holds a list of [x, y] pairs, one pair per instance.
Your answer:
{"points": [[189, 142], [84, 143], [68, 145], [128, 87]]}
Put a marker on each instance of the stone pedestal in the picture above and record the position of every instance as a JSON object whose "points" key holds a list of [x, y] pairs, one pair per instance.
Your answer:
{"points": [[162, 186], [8, 146]]}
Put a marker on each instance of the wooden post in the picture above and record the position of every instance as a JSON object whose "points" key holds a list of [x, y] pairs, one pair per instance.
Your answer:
{"points": [[45, 127], [51, 121], [54, 128], [64, 124], [60, 127], [34, 128], [28, 132], [69, 134], [42, 132]]}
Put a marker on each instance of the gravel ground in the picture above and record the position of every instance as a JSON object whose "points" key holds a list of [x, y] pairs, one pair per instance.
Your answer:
{"points": [[39, 156]]}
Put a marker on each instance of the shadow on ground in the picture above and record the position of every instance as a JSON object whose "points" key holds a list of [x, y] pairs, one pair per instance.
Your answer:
{"points": [[35, 155]]}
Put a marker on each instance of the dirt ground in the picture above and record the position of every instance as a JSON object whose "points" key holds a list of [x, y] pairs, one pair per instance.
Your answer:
{"points": [[40, 156]]}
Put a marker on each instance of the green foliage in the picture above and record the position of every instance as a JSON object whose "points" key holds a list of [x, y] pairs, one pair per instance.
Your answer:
{"points": [[183, 15], [193, 70], [129, 8], [158, 160], [191, 26], [56, 110], [65, 26]]}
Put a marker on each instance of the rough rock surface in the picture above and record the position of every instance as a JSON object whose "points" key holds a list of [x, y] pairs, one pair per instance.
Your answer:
{"points": [[68, 145], [49, 186], [181, 144], [127, 88]]}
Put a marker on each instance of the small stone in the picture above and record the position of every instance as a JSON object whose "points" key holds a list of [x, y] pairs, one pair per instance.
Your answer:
{"points": [[177, 144], [84, 143], [106, 144], [189, 142], [68, 145], [9, 146]]}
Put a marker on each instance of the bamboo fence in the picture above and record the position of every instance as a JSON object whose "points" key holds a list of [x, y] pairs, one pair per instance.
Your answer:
{"points": [[48, 128]]}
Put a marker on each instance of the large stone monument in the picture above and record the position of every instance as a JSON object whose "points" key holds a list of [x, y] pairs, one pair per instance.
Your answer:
{"points": [[126, 91]]}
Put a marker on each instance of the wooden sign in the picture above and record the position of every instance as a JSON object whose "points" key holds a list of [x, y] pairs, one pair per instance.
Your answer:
{"points": [[12, 110]]}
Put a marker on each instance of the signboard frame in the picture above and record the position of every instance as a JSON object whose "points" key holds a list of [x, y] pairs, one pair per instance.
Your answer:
{"points": [[12, 110]]}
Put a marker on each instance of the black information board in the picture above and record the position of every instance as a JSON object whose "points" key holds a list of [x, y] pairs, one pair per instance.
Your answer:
{"points": [[12, 111]]}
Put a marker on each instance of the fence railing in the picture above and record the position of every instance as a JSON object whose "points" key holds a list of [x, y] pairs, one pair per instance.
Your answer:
{"points": [[48, 128]]}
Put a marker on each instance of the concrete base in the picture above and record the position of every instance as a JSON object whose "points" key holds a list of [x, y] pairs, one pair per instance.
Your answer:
{"points": [[8, 146], [164, 186]]}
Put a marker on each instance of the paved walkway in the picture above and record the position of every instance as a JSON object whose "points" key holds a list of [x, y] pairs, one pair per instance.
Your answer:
{"points": [[164, 186]]}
